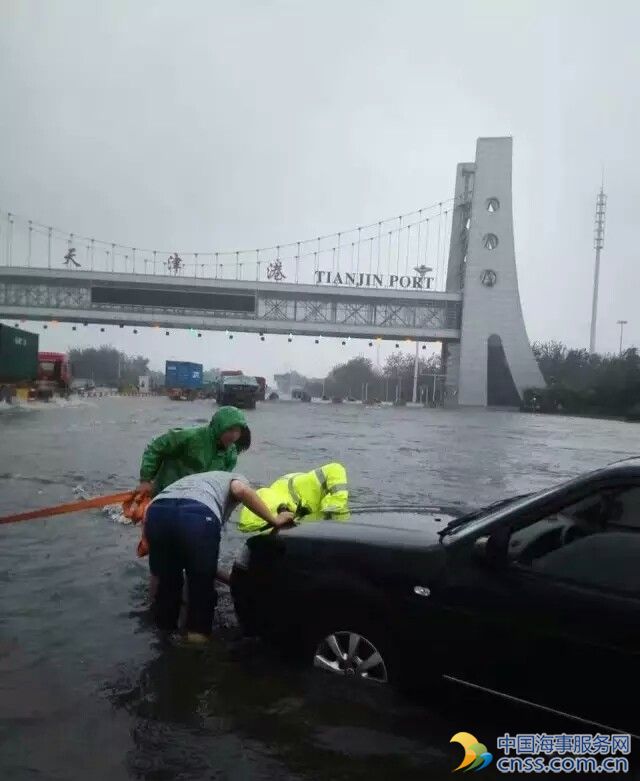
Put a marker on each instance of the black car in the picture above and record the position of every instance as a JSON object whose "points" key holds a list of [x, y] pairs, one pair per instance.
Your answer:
{"points": [[535, 598]]}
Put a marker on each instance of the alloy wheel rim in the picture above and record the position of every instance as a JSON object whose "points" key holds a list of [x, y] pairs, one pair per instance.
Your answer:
{"points": [[351, 655]]}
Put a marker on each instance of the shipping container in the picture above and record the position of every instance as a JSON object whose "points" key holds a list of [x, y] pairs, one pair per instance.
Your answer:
{"points": [[183, 375], [18, 355]]}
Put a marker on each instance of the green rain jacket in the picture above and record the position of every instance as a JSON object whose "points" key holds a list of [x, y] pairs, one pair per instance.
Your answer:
{"points": [[186, 451]]}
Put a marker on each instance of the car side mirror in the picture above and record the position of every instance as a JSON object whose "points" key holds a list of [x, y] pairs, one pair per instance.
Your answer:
{"points": [[491, 549]]}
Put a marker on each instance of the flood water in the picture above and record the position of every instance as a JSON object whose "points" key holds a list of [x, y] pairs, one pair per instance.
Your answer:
{"points": [[86, 689]]}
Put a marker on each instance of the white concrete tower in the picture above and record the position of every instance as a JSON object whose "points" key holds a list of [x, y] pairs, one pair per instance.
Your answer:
{"points": [[493, 363]]}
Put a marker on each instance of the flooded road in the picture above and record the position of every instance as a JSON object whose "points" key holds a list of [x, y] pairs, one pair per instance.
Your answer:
{"points": [[86, 690]]}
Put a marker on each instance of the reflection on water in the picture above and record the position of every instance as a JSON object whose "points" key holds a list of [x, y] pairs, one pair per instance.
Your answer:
{"points": [[87, 690], [197, 710]]}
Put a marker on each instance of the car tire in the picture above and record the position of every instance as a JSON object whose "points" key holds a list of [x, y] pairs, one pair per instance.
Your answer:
{"points": [[351, 641]]}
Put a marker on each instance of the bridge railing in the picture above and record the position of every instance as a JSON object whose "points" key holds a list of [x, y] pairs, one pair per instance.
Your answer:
{"points": [[396, 246]]}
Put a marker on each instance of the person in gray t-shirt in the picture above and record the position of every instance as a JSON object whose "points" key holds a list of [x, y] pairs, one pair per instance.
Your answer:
{"points": [[182, 526]]}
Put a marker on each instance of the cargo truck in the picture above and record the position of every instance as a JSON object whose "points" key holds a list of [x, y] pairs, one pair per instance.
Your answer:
{"points": [[54, 376], [18, 362], [183, 380], [238, 391]]}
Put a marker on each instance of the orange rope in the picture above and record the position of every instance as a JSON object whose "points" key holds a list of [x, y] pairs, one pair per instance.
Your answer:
{"points": [[70, 507], [85, 504]]}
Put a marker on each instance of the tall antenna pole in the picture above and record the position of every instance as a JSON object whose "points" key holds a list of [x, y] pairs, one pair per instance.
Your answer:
{"points": [[598, 244]]}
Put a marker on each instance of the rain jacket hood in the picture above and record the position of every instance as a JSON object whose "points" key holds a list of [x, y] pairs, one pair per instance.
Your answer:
{"points": [[230, 417], [182, 452]]}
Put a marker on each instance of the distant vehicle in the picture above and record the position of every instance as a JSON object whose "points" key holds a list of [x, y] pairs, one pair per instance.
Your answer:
{"points": [[273, 396], [183, 380], [237, 391], [209, 390], [231, 373], [18, 362], [525, 599], [144, 383], [262, 388], [82, 386], [54, 376], [299, 394], [79, 383]]}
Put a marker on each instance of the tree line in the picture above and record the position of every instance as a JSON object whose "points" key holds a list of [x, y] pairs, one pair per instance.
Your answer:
{"points": [[107, 366], [359, 379], [577, 382], [584, 383]]}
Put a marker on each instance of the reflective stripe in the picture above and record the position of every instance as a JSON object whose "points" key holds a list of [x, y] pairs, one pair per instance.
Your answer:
{"points": [[338, 487], [322, 478], [292, 490]]}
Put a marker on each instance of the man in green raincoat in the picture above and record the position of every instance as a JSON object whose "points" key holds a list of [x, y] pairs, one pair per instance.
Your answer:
{"points": [[182, 452]]}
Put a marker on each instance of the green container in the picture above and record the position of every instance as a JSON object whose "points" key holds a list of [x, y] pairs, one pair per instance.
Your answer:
{"points": [[18, 355]]}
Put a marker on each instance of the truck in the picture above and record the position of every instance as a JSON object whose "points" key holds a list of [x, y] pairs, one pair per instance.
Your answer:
{"points": [[262, 388], [18, 362], [300, 394], [183, 380], [53, 378], [238, 391]]}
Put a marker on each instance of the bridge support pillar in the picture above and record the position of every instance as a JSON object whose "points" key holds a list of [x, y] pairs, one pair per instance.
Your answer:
{"points": [[493, 364]]}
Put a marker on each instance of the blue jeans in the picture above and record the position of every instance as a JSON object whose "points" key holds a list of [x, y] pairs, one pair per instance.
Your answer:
{"points": [[183, 536]]}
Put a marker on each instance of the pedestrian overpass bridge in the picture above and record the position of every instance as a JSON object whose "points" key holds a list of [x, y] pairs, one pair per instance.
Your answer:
{"points": [[444, 273], [126, 299]]}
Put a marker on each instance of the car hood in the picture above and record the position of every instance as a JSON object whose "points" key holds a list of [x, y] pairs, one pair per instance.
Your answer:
{"points": [[412, 526], [386, 546]]}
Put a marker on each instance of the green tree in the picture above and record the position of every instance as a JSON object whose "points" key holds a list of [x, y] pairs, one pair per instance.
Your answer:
{"points": [[352, 378], [584, 383], [398, 372], [105, 365]]}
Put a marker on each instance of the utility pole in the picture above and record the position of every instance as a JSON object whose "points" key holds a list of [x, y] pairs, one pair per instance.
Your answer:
{"points": [[598, 244], [622, 324], [416, 361], [422, 272]]}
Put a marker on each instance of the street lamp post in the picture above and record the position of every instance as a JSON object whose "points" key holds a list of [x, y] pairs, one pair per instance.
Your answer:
{"points": [[422, 272], [622, 324]]}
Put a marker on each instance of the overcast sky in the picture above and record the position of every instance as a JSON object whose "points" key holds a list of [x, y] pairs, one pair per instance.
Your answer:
{"points": [[220, 125]]}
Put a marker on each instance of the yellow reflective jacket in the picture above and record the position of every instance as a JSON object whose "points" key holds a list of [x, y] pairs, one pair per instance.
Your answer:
{"points": [[322, 491]]}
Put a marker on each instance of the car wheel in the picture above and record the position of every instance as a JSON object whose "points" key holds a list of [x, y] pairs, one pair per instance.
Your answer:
{"points": [[353, 654]]}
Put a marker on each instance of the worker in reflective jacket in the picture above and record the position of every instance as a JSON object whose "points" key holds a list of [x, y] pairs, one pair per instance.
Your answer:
{"points": [[320, 493]]}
